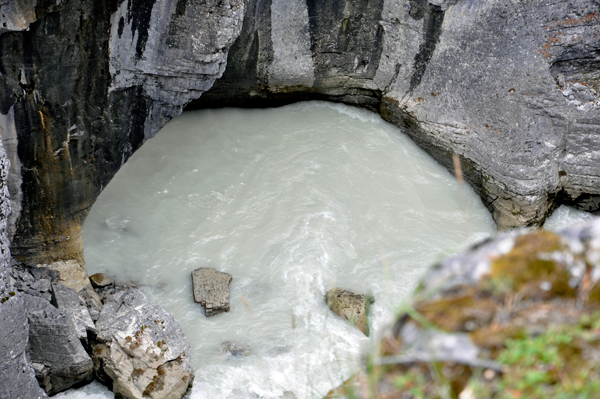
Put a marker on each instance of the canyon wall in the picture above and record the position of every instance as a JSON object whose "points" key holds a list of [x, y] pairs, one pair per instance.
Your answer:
{"points": [[83, 85], [512, 87]]}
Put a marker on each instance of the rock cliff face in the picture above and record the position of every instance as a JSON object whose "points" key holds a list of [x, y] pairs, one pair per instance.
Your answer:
{"points": [[83, 84], [17, 378], [510, 87]]}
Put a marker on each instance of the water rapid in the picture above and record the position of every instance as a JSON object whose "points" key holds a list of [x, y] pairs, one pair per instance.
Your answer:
{"points": [[292, 202]]}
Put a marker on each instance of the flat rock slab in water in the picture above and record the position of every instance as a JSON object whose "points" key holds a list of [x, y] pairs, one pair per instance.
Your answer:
{"points": [[211, 289]]}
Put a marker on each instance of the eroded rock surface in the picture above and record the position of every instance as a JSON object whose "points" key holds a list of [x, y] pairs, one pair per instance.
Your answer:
{"points": [[140, 350], [350, 306], [510, 87], [211, 290], [84, 83], [54, 347], [17, 378], [67, 300]]}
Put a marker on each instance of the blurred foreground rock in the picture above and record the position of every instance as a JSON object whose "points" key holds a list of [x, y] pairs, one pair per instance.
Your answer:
{"points": [[516, 316]]}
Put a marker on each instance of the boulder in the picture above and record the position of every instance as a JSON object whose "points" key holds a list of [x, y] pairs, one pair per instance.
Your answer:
{"points": [[17, 378], [140, 350], [211, 290], [67, 300], [54, 347], [350, 306]]}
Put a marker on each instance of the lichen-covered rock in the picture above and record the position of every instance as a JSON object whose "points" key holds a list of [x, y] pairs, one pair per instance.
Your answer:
{"points": [[55, 346], [211, 290], [140, 350], [350, 306]]}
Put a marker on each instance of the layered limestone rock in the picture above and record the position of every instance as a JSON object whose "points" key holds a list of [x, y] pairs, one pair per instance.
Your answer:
{"points": [[54, 347], [350, 306], [211, 290], [140, 350], [510, 87], [83, 85], [17, 378]]}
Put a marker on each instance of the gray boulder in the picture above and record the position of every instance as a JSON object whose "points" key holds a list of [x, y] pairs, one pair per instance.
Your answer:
{"points": [[54, 348], [140, 350], [350, 306], [67, 300], [17, 378], [211, 290]]}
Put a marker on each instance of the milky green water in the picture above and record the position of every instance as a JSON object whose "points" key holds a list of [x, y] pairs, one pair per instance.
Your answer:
{"points": [[292, 202]]}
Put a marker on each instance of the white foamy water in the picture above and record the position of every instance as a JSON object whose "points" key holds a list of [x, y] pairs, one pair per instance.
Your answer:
{"points": [[291, 201], [565, 216]]}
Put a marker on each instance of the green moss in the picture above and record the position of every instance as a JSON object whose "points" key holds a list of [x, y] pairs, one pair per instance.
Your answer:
{"points": [[448, 313], [526, 267]]}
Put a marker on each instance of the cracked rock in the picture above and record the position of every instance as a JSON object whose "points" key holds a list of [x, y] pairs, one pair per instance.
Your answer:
{"points": [[140, 350]]}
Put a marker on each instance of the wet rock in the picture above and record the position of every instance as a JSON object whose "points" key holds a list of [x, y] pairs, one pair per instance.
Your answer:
{"points": [[54, 344], [211, 290], [140, 350], [67, 300], [101, 280], [235, 349], [350, 306]]}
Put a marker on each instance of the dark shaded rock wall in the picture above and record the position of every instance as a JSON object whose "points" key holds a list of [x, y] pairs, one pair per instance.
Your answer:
{"points": [[83, 84]]}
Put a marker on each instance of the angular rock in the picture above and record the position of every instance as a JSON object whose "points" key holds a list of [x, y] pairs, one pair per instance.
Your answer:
{"points": [[140, 350], [55, 346], [350, 306], [73, 275], [211, 290], [235, 349], [17, 378], [67, 300], [101, 280]]}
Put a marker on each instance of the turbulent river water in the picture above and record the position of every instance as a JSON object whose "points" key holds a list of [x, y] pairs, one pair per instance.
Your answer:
{"points": [[292, 202]]}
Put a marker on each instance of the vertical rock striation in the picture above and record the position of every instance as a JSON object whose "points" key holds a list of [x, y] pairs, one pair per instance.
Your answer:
{"points": [[17, 378], [83, 84], [510, 87]]}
